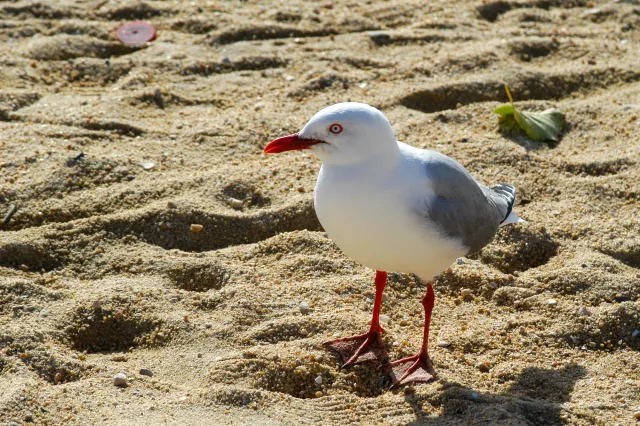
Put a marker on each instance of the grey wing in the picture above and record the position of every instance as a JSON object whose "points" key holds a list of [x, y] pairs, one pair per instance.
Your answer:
{"points": [[461, 207]]}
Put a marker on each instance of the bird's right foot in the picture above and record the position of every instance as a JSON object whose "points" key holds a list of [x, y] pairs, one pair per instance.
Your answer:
{"points": [[361, 348]]}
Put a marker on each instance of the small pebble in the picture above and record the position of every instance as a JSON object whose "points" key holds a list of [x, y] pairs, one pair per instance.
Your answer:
{"points": [[304, 332], [385, 319], [380, 37], [304, 307], [483, 367], [148, 165], [196, 228], [465, 292], [474, 395], [146, 372], [157, 95], [552, 302], [235, 203], [319, 394], [444, 343], [635, 333], [120, 379], [318, 380], [97, 304], [584, 311]]}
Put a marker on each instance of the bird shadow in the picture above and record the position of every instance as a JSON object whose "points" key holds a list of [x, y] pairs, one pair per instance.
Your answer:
{"points": [[535, 398]]}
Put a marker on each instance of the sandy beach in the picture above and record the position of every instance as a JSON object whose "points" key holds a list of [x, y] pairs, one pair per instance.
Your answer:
{"points": [[152, 237]]}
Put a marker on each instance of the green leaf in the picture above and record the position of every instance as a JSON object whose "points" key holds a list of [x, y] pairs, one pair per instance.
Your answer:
{"points": [[539, 126], [506, 109]]}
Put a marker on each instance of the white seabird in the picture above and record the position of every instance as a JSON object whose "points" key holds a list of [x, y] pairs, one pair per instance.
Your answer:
{"points": [[394, 207]]}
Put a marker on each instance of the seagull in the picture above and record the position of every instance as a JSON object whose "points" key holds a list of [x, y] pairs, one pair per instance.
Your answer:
{"points": [[393, 207]]}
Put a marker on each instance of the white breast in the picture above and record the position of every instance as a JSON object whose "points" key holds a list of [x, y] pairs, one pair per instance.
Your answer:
{"points": [[370, 216]]}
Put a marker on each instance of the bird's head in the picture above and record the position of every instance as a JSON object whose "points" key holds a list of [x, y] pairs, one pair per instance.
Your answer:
{"points": [[344, 133]]}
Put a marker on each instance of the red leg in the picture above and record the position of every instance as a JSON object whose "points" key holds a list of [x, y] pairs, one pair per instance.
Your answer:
{"points": [[417, 368], [368, 346]]}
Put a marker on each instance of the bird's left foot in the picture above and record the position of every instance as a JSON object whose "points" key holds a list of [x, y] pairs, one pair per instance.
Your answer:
{"points": [[417, 368]]}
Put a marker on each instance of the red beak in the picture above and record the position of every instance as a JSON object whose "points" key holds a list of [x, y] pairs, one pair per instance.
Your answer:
{"points": [[289, 143]]}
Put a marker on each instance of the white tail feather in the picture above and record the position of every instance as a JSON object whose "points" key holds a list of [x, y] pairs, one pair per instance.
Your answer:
{"points": [[512, 218]]}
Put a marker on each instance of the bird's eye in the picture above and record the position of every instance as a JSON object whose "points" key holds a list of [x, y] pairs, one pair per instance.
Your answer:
{"points": [[335, 129]]}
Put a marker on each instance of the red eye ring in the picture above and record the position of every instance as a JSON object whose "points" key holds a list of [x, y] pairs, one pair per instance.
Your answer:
{"points": [[335, 128]]}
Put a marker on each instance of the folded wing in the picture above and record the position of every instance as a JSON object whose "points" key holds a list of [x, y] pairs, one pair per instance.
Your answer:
{"points": [[460, 207]]}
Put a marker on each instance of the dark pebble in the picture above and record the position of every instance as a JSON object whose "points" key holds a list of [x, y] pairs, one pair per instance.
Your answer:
{"points": [[146, 372]]}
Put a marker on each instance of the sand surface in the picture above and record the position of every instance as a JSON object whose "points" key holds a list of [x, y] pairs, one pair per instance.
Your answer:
{"points": [[111, 154]]}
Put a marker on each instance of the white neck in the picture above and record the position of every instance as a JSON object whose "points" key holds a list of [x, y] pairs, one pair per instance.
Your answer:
{"points": [[382, 157]]}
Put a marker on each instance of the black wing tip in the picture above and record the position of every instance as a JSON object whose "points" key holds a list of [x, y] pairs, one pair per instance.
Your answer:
{"points": [[508, 192]]}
